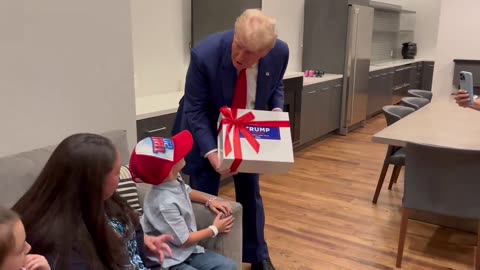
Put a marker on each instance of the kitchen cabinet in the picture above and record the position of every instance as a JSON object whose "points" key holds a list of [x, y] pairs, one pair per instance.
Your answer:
{"points": [[416, 75], [401, 82], [380, 90], [320, 112], [293, 98], [159, 126], [206, 18], [427, 75]]}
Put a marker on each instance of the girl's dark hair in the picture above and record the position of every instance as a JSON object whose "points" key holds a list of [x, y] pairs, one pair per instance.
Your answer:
{"points": [[64, 212], [8, 219]]}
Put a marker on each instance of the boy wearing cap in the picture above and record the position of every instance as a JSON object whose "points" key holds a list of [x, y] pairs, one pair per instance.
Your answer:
{"points": [[168, 208]]}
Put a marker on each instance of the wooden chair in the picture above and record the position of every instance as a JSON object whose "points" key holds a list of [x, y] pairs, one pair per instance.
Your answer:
{"points": [[395, 155]]}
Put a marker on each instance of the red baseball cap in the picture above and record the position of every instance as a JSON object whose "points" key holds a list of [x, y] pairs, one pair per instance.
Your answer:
{"points": [[153, 158]]}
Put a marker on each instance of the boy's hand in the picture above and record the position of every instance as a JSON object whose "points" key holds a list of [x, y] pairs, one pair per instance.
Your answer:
{"points": [[223, 225], [221, 207]]}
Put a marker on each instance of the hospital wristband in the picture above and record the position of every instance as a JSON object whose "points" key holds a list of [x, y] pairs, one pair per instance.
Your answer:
{"points": [[214, 230]]}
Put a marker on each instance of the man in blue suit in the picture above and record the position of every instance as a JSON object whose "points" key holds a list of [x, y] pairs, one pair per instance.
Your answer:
{"points": [[243, 68]]}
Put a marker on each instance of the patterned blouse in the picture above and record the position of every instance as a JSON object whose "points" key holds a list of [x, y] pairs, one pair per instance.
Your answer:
{"points": [[136, 262]]}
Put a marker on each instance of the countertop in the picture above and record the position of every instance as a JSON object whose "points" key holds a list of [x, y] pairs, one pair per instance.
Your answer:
{"points": [[324, 78], [470, 61], [166, 103], [394, 63]]}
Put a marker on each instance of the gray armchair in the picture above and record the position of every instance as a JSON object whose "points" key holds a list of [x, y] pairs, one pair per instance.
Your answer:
{"points": [[17, 173], [229, 244], [441, 181]]}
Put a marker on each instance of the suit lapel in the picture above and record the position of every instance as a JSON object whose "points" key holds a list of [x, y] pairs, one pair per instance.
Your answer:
{"points": [[263, 83], [228, 76]]}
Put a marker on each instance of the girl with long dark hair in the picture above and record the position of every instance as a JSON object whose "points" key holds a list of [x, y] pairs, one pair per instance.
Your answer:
{"points": [[73, 216]]}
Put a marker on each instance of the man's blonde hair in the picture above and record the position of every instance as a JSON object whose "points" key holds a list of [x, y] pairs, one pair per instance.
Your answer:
{"points": [[256, 29]]}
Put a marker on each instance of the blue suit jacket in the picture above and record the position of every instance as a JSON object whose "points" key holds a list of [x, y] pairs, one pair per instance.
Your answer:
{"points": [[210, 84]]}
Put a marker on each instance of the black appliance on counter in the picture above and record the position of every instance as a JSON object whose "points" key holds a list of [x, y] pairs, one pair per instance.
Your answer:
{"points": [[409, 50]]}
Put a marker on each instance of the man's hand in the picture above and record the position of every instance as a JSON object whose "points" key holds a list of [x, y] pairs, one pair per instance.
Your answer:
{"points": [[213, 158]]}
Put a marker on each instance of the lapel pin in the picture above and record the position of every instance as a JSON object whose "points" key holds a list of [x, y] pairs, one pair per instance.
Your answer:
{"points": [[267, 74]]}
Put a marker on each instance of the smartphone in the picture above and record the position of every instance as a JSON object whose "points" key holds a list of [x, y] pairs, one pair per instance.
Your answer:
{"points": [[466, 83]]}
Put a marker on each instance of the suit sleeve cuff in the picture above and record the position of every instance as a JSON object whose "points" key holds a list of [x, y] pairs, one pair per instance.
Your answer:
{"points": [[209, 152]]}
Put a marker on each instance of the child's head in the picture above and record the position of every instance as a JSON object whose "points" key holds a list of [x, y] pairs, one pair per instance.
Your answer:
{"points": [[155, 159], [13, 246]]}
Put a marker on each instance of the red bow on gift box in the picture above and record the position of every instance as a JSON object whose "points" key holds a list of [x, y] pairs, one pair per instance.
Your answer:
{"points": [[239, 125]]}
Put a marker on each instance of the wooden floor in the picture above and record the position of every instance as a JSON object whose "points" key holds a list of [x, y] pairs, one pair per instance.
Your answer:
{"points": [[320, 216]]}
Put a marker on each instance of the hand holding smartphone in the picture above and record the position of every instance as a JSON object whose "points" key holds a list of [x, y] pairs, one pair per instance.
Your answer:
{"points": [[466, 83]]}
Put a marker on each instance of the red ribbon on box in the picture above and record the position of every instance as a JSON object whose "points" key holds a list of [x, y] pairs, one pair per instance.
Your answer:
{"points": [[239, 125]]}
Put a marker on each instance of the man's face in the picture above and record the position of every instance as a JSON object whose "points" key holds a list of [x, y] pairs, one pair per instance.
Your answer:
{"points": [[243, 58]]}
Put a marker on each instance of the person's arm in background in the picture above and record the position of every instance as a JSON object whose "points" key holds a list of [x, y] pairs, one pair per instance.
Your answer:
{"points": [[277, 99], [463, 100]]}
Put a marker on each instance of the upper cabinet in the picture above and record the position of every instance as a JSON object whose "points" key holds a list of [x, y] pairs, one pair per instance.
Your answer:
{"points": [[393, 26], [407, 22], [211, 16]]}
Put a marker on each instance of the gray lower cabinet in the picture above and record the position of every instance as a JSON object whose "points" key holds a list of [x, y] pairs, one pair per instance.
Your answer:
{"points": [[159, 126], [380, 90], [398, 81], [427, 75], [320, 110]]}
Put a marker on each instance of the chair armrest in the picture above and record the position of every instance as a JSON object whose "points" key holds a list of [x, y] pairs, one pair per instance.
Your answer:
{"points": [[230, 245]]}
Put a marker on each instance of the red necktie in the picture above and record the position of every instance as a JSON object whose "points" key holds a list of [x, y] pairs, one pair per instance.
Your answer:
{"points": [[240, 95]]}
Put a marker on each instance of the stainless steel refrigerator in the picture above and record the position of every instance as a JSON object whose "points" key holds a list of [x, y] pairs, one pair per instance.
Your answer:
{"points": [[357, 67], [337, 39]]}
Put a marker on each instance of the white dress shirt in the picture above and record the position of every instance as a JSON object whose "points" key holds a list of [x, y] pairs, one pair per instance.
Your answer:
{"points": [[252, 75]]}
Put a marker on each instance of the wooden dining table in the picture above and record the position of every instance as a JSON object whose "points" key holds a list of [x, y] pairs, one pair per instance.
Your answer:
{"points": [[441, 123]]}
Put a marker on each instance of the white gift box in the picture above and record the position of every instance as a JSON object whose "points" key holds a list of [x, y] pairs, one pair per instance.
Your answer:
{"points": [[274, 144]]}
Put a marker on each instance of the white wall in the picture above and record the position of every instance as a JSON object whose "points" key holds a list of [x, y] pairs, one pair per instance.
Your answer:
{"points": [[161, 36], [426, 26], [66, 67], [289, 15], [161, 40], [458, 38]]}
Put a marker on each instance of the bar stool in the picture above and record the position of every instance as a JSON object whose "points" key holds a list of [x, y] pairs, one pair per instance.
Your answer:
{"points": [[415, 102], [420, 93]]}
